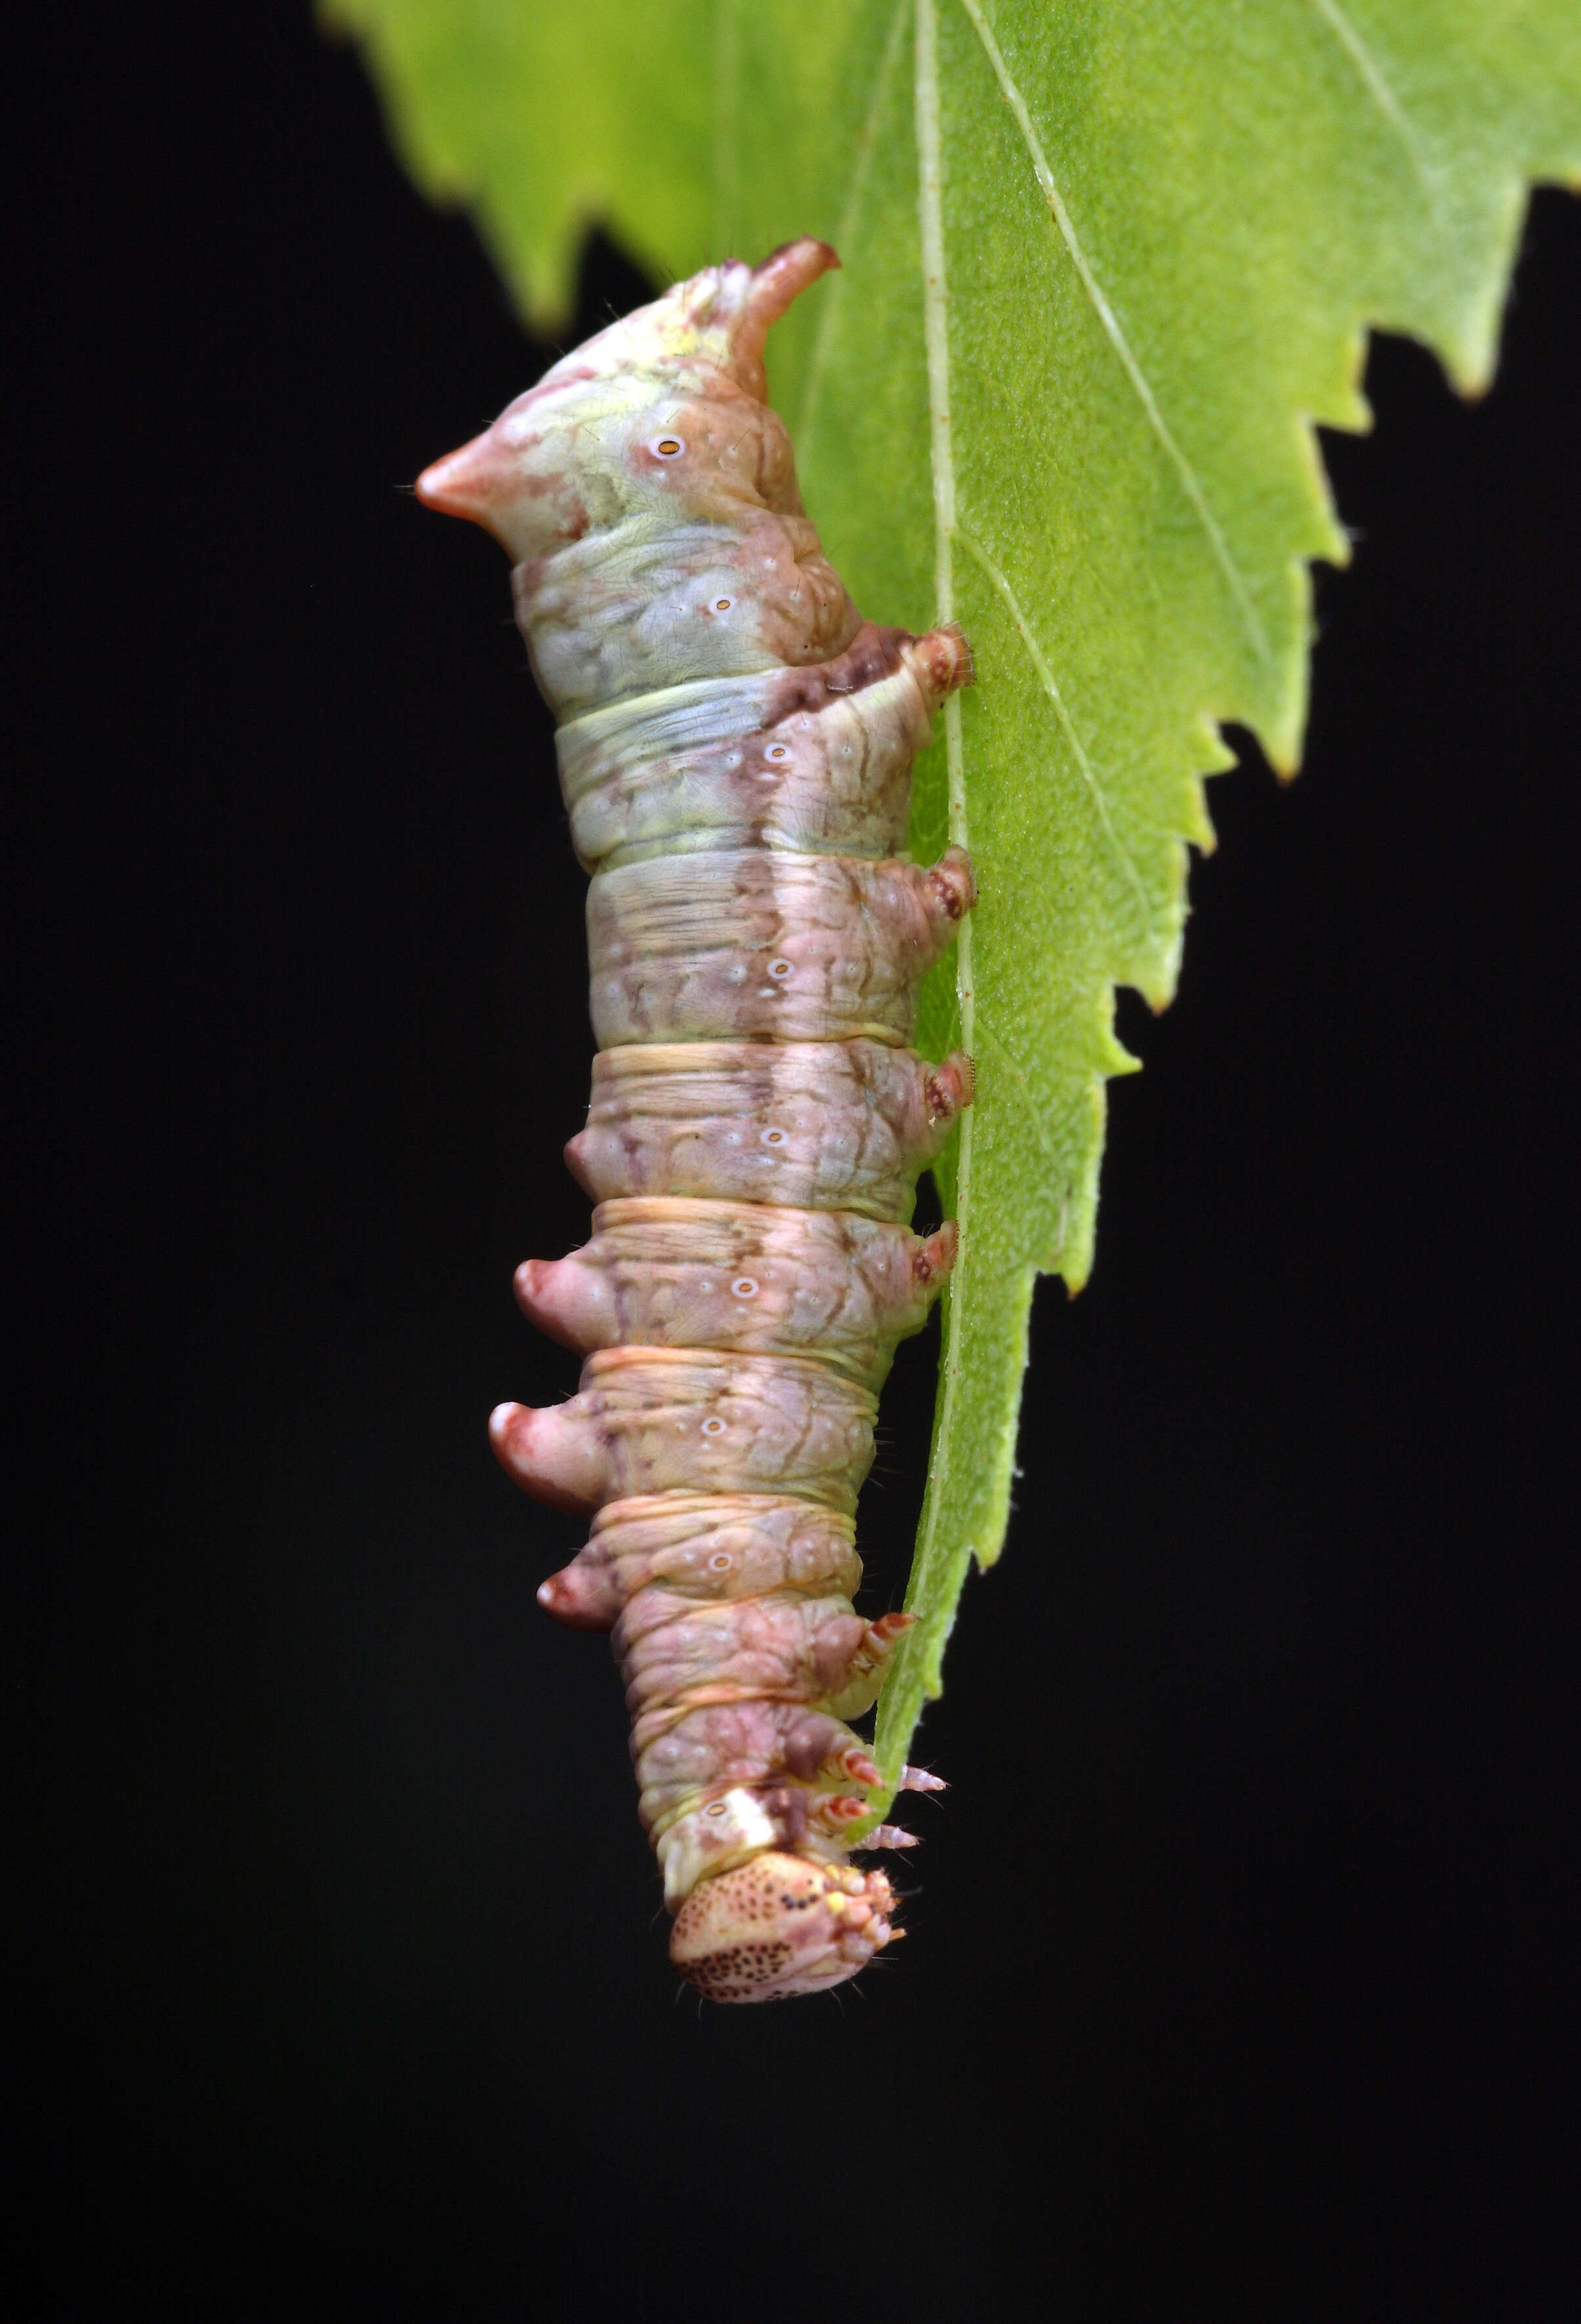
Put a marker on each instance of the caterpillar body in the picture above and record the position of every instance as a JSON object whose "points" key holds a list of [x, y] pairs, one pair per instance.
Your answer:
{"points": [[736, 746]]}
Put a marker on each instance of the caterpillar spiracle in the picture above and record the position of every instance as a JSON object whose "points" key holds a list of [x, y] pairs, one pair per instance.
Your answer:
{"points": [[735, 748]]}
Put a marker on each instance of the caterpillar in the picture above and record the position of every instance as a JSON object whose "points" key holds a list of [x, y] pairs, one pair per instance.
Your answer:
{"points": [[735, 747]]}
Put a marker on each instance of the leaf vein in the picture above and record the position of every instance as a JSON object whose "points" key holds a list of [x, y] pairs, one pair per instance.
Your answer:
{"points": [[1050, 685], [1377, 83], [851, 211], [1190, 485], [937, 329], [991, 1040]]}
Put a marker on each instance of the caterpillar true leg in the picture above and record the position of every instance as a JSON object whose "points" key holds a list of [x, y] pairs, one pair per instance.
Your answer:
{"points": [[736, 746]]}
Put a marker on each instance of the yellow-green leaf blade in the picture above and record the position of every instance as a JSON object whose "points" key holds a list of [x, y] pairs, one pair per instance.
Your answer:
{"points": [[1159, 236]]}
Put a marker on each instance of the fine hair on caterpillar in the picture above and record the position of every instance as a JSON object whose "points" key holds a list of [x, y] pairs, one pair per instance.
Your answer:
{"points": [[736, 748]]}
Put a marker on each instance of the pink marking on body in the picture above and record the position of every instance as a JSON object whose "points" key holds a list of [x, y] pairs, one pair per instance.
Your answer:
{"points": [[468, 482], [552, 1452], [859, 1767], [782, 277], [835, 1810], [884, 1631], [567, 1302], [937, 1257]]}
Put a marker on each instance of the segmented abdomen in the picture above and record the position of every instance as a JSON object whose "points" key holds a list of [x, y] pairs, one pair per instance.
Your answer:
{"points": [[736, 756]]}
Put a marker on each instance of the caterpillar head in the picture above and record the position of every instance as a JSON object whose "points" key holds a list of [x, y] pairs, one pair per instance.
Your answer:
{"points": [[781, 1925]]}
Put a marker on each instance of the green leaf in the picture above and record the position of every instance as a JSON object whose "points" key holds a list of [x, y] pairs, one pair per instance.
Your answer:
{"points": [[1105, 268]]}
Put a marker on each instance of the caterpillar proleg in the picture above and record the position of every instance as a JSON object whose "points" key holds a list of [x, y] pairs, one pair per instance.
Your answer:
{"points": [[735, 746]]}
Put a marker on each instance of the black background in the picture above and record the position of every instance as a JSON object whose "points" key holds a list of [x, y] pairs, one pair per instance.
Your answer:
{"points": [[1241, 1978]]}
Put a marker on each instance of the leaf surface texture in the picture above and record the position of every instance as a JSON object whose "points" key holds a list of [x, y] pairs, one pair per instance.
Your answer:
{"points": [[1105, 269]]}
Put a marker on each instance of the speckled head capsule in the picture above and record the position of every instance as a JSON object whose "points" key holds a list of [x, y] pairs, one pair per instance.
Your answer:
{"points": [[780, 1925]]}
